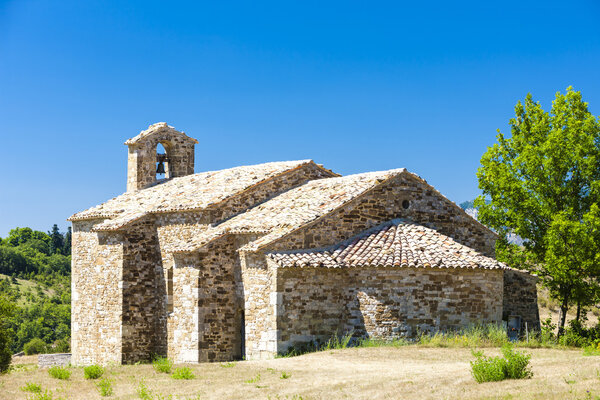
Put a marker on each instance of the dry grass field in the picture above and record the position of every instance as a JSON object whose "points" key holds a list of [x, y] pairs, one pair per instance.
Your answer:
{"points": [[409, 372]]}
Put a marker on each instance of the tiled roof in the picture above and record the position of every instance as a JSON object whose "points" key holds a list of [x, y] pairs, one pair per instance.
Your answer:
{"points": [[293, 209], [396, 243], [191, 192], [155, 128]]}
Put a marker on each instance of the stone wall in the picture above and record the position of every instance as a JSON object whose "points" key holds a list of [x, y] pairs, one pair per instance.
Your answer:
{"points": [[260, 303], [520, 298], [142, 307], [141, 159], [96, 301], [50, 360], [315, 303], [426, 206]]}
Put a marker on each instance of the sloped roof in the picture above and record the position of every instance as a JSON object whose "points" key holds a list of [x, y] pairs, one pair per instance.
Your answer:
{"points": [[156, 128], [395, 243], [191, 192], [293, 209]]}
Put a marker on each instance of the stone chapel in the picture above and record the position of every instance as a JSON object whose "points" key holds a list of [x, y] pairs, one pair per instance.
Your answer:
{"points": [[253, 260]]}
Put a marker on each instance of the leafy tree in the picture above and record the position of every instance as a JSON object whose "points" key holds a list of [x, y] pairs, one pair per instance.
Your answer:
{"points": [[19, 236], [6, 311], [543, 184]]}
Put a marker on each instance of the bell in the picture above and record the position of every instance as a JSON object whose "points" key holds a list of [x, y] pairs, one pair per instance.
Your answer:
{"points": [[160, 168]]}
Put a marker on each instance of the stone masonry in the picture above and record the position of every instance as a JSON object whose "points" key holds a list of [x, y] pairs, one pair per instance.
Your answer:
{"points": [[253, 260]]}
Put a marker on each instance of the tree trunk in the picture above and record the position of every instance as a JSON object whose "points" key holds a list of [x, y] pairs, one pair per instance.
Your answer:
{"points": [[564, 307], [578, 310]]}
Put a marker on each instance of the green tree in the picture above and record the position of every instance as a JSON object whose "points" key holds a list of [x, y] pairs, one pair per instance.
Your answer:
{"points": [[67, 244], [543, 183], [6, 311], [56, 240]]}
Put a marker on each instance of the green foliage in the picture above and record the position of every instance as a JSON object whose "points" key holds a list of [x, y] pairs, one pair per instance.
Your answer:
{"points": [[93, 372], [143, 391], [487, 369], [543, 184], [162, 364], [43, 301], [6, 311], [46, 395], [514, 365], [34, 346], [254, 380], [336, 342], [32, 387], [517, 363], [105, 387], [61, 373], [183, 373], [285, 375]]}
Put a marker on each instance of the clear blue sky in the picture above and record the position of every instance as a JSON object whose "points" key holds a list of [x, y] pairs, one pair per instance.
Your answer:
{"points": [[356, 86]]}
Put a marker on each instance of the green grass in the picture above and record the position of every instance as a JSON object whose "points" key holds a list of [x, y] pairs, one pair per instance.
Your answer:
{"points": [[254, 380], [285, 375], [32, 387], [62, 373], [162, 364], [105, 387], [93, 372], [228, 365], [183, 373]]}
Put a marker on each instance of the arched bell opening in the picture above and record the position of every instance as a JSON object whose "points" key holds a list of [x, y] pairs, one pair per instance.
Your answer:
{"points": [[163, 170]]}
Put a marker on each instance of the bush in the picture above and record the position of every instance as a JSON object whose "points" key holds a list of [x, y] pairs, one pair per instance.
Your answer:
{"points": [[514, 365], [93, 372], [60, 372], [105, 387], [32, 387], [34, 346], [162, 364], [183, 373], [517, 364], [487, 369]]}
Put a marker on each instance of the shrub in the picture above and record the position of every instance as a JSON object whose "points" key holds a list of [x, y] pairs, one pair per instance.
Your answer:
{"points": [[514, 365], [93, 372], [162, 364], [32, 387], [517, 364], [34, 346], [183, 373], [105, 387], [60, 372], [487, 369]]}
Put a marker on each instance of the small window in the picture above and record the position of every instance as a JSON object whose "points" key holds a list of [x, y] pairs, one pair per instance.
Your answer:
{"points": [[405, 204], [170, 290]]}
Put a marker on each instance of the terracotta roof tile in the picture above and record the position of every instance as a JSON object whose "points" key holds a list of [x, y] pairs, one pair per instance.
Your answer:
{"points": [[395, 243]]}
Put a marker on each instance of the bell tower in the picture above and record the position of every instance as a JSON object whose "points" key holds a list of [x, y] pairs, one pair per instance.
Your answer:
{"points": [[147, 164]]}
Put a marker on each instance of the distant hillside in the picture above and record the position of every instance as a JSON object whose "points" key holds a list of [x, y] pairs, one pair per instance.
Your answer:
{"points": [[35, 275]]}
